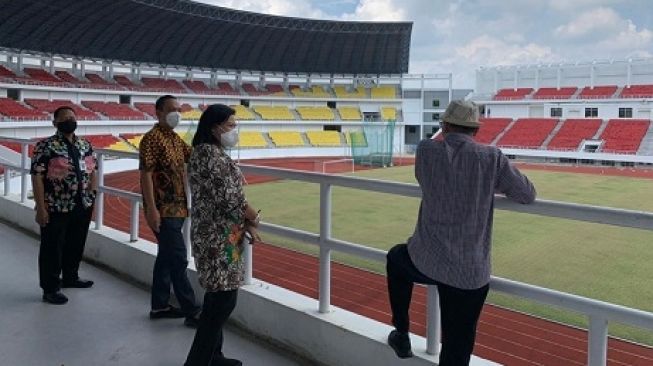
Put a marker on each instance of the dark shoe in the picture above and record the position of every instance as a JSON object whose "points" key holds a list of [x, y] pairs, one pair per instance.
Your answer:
{"points": [[170, 312], [78, 283], [192, 321], [400, 343], [55, 298], [223, 361]]}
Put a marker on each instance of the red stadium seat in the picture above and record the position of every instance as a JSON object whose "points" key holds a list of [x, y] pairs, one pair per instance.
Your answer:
{"points": [[528, 133]]}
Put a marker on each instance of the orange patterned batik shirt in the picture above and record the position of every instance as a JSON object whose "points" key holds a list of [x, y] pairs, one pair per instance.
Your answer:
{"points": [[164, 153]]}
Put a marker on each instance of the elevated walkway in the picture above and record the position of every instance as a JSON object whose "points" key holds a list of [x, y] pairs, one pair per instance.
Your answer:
{"points": [[105, 325]]}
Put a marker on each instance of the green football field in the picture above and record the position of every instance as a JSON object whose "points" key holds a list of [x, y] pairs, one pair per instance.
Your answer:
{"points": [[602, 262]]}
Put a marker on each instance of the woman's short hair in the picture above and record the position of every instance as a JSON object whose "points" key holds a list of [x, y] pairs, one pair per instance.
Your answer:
{"points": [[215, 114]]}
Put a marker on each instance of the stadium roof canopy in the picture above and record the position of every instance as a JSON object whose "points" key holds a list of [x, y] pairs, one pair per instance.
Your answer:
{"points": [[186, 33]]}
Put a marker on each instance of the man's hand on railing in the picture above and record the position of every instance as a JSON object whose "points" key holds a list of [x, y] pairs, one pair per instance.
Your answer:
{"points": [[42, 217], [153, 219]]}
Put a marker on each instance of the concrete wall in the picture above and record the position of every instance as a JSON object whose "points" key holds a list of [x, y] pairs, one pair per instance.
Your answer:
{"points": [[283, 317]]}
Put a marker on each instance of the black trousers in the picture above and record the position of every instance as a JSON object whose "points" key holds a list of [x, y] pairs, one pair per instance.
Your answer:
{"points": [[207, 345], [62, 246], [459, 308]]}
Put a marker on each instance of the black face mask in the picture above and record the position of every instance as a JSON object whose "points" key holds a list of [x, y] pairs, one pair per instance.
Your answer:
{"points": [[67, 126]]}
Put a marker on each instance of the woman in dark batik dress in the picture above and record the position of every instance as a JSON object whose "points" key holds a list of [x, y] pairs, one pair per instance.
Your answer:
{"points": [[220, 217]]}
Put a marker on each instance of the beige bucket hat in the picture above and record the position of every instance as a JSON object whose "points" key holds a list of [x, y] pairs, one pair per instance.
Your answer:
{"points": [[462, 113]]}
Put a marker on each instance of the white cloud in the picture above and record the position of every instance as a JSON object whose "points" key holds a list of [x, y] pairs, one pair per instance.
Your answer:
{"points": [[487, 50], [377, 10], [601, 20], [290, 8]]}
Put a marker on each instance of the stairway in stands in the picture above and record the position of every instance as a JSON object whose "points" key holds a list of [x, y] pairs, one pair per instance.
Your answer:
{"points": [[646, 147]]}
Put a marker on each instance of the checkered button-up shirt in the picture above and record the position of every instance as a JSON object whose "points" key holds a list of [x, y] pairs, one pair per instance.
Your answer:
{"points": [[453, 235]]}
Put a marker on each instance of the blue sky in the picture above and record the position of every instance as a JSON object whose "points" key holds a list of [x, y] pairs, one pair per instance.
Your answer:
{"points": [[460, 36]]}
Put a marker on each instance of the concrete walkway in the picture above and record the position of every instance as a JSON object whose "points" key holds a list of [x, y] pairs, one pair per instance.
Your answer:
{"points": [[105, 325]]}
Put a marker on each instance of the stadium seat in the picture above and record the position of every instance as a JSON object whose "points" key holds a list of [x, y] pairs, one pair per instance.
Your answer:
{"points": [[197, 86], [342, 92], [388, 113], [243, 113], [251, 139], [225, 88], [315, 113], [324, 138], [101, 141], [67, 77], [6, 73], [490, 129], [286, 138], [383, 92], [637, 91], [16, 111], [624, 135], [598, 92], [513, 94], [274, 112], [193, 114], [350, 113], [163, 85], [573, 132], [555, 93], [49, 107], [41, 75], [528, 133], [316, 91], [147, 108], [115, 110]]}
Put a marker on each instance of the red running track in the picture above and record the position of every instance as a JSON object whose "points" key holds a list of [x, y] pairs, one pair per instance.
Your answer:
{"points": [[503, 336]]}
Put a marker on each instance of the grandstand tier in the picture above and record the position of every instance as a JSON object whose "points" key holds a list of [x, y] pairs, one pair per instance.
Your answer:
{"points": [[113, 110], [286, 138], [624, 136], [528, 133], [598, 92], [490, 129], [555, 93], [13, 110], [573, 132], [513, 94], [48, 106]]}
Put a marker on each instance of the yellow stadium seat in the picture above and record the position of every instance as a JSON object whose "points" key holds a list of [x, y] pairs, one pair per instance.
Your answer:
{"points": [[315, 113], [350, 114], [274, 113], [135, 141], [342, 92], [384, 92], [286, 138], [121, 146], [193, 114], [324, 138], [251, 139], [388, 113], [243, 113], [316, 91]]}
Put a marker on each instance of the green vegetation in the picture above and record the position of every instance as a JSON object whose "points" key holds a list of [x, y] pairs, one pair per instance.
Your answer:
{"points": [[603, 262]]}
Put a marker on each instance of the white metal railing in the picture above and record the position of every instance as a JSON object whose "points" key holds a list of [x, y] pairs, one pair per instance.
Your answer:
{"points": [[598, 312]]}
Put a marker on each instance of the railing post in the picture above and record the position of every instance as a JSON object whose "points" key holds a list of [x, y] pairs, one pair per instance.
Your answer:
{"points": [[325, 252], [248, 258], [99, 200], [432, 320], [597, 350], [24, 151], [133, 228], [7, 181]]}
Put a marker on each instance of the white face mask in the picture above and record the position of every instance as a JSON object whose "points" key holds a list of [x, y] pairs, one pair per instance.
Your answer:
{"points": [[172, 119], [229, 138]]}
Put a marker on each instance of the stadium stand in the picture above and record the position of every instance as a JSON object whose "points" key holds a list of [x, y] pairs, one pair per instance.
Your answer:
{"points": [[286, 138], [316, 91], [197, 86], [555, 93], [383, 92], [274, 113], [67, 77], [528, 133], [513, 94], [598, 92], [125, 81], [243, 113], [132, 138], [98, 82], [573, 132], [102, 141], [41, 75], [275, 89], [324, 138], [169, 85], [251, 139], [113, 110], [147, 108], [388, 113], [624, 135], [15, 111], [350, 113], [6, 73], [342, 92], [315, 113], [192, 114], [226, 88], [637, 91], [490, 129], [49, 107]]}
